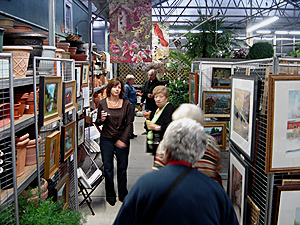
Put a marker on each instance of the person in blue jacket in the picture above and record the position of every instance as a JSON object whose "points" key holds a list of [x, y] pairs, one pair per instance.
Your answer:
{"points": [[130, 95], [196, 199]]}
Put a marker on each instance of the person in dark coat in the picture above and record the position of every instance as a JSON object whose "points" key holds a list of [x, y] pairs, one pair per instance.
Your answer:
{"points": [[196, 199]]}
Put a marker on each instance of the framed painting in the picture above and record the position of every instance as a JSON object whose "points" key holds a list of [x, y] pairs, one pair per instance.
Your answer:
{"points": [[237, 185], [50, 98], [62, 190], [243, 108], [283, 125], [69, 95], [221, 77], [78, 79], [287, 209], [79, 106], [85, 74], [218, 131], [80, 131], [68, 140], [52, 147], [291, 182], [216, 103], [193, 87]]}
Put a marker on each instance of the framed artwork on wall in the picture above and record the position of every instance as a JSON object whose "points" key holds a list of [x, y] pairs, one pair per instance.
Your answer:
{"points": [[221, 77], [243, 113], [81, 131], [193, 87], [237, 185], [79, 106], [52, 148], [62, 190], [216, 103], [69, 95], [68, 140], [287, 206], [50, 99], [85, 74], [78, 79], [218, 131], [283, 126]]}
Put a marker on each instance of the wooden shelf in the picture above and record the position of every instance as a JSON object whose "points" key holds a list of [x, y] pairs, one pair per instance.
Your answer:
{"points": [[18, 82]]}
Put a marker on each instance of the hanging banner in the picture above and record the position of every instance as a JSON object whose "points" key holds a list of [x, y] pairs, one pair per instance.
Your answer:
{"points": [[130, 31], [160, 41]]}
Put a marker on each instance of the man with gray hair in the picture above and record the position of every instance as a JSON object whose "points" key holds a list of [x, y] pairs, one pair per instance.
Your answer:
{"points": [[178, 194]]}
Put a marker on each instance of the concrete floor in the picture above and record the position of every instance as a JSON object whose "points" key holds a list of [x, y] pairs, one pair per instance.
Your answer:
{"points": [[139, 164]]}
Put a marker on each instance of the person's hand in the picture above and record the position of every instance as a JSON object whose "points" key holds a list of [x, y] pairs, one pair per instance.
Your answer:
{"points": [[146, 114], [141, 104], [150, 96], [103, 115], [153, 126], [120, 144]]}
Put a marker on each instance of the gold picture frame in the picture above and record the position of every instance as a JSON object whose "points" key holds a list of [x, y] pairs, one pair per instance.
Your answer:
{"points": [[68, 140], [216, 103], [218, 131], [69, 95], [52, 147]]}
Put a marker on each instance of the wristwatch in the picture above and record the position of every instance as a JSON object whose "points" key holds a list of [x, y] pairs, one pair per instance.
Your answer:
{"points": [[158, 128]]}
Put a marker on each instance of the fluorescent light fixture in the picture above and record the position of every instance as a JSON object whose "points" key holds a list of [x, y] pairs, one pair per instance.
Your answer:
{"points": [[281, 32], [262, 24], [263, 31], [295, 32]]}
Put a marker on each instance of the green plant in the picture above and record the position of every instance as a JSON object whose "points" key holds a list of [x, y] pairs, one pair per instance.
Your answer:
{"points": [[261, 50], [179, 91], [295, 53], [209, 42]]}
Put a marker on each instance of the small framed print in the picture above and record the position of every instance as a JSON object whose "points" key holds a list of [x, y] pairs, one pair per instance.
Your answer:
{"points": [[216, 103], [221, 77], [81, 131], [193, 88], [283, 124], [85, 74], [69, 95], [78, 79], [68, 140], [218, 131], [62, 190], [79, 106], [50, 98], [237, 185], [52, 148]]}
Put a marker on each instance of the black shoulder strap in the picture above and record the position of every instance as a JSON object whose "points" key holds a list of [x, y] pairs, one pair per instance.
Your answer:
{"points": [[156, 206]]}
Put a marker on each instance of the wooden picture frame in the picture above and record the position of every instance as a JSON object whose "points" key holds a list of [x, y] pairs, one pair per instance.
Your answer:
{"points": [[81, 131], [85, 74], [218, 131], [221, 77], [243, 113], [79, 108], [291, 182], [287, 209], [253, 212], [69, 95], [52, 147], [283, 124], [237, 185], [193, 88], [62, 190], [216, 103], [50, 98], [68, 140], [78, 68]]}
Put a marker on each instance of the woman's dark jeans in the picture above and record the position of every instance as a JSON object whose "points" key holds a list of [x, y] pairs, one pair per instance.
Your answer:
{"points": [[108, 149]]}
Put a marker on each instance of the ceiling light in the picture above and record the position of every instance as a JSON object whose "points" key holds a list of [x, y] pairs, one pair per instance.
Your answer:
{"points": [[294, 32], [262, 24], [263, 31], [281, 32]]}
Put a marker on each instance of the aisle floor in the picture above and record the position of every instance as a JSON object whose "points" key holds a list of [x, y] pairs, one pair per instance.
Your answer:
{"points": [[139, 164]]}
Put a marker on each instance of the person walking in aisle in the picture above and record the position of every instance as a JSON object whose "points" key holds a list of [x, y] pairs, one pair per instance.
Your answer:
{"points": [[130, 95], [114, 113], [177, 193]]}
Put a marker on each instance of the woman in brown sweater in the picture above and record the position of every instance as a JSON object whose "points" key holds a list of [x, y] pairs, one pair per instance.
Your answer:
{"points": [[114, 113]]}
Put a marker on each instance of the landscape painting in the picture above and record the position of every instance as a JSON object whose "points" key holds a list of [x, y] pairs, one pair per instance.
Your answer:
{"points": [[216, 103], [51, 96], [218, 131], [69, 139], [221, 78], [68, 95]]}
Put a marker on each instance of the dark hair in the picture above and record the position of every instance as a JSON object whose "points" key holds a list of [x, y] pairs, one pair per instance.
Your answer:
{"points": [[114, 82]]}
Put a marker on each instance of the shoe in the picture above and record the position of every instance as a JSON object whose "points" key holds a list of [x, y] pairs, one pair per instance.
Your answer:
{"points": [[144, 133], [112, 203], [131, 137], [134, 135]]}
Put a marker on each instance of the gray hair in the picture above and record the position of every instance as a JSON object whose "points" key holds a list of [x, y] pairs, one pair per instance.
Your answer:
{"points": [[187, 110], [186, 140], [153, 71], [129, 77]]}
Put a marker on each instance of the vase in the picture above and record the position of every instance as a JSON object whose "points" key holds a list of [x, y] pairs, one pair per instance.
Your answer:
{"points": [[21, 98], [66, 55], [64, 45], [18, 28], [20, 58], [33, 196], [29, 107], [79, 57], [31, 152], [16, 111], [72, 50], [21, 156], [58, 53], [6, 23]]}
